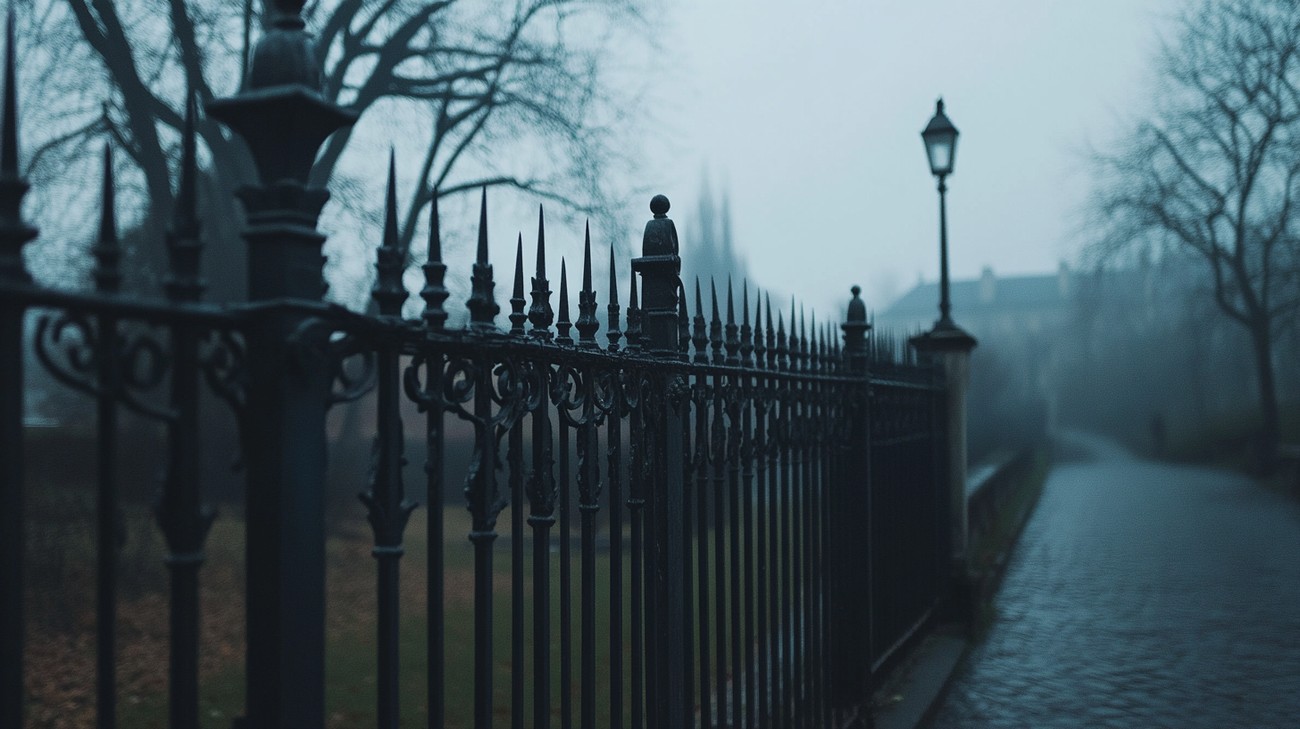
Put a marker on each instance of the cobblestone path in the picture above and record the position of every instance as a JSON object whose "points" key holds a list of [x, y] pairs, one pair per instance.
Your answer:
{"points": [[1142, 595]]}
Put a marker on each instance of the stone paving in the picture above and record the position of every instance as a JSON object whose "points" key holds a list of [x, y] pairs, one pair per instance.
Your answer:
{"points": [[1142, 595]]}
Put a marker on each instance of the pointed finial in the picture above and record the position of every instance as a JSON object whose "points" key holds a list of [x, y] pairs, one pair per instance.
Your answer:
{"points": [[715, 324], [184, 247], [9, 115], [683, 331], [612, 333], [633, 317], [540, 314], [803, 349], [700, 337], [434, 292], [587, 324], [483, 308], [563, 324], [14, 233], [771, 333], [782, 353], [760, 347], [389, 291], [185, 214], [732, 331], [746, 332], [517, 300], [107, 250], [483, 229]]}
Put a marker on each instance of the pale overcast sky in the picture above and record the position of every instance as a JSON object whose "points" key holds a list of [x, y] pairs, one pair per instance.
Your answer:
{"points": [[811, 113]]}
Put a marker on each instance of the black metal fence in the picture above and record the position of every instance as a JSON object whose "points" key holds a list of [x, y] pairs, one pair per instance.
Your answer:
{"points": [[757, 507]]}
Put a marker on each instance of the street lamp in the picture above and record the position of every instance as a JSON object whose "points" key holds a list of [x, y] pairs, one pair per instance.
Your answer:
{"points": [[940, 138]]}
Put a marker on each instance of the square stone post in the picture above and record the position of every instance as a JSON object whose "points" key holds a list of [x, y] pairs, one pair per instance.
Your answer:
{"points": [[949, 346]]}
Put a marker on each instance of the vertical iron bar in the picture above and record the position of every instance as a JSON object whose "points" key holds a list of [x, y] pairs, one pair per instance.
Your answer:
{"points": [[483, 535], [787, 616], [181, 515], [796, 488], [718, 454], [588, 493], [107, 254], [614, 444], [385, 500], [700, 400], [733, 402], [434, 597], [541, 518], [635, 504], [761, 397], [515, 457], [566, 581], [14, 233], [434, 294], [774, 506]]}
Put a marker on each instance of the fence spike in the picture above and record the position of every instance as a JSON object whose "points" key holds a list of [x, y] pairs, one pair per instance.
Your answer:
{"points": [[700, 337], [9, 143], [107, 250], [715, 324], [540, 313], [782, 353], [482, 307], [517, 300], [760, 348], [771, 334], [563, 324], [184, 247], [613, 334], [746, 331], [587, 324], [389, 292], [683, 333], [185, 217], [732, 332], [14, 233], [814, 344], [633, 317], [434, 292]]}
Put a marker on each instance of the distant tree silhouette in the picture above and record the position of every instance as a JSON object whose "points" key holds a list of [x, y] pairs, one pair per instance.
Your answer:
{"points": [[1214, 173]]}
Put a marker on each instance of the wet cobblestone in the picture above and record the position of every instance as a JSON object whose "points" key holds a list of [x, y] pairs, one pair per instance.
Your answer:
{"points": [[1142, 595]]}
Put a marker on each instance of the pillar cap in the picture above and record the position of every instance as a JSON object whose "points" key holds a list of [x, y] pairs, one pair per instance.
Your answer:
{"points": [[944, 339]]}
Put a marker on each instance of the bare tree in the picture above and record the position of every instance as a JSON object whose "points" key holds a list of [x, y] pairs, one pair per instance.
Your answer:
{"points": [[486, 93], [1214, 174]]}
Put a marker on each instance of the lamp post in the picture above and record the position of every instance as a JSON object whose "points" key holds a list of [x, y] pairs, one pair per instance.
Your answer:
{"points": [[949, 346], [940, 138]]}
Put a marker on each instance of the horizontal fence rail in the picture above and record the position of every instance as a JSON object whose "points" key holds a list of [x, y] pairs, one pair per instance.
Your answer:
{"points": [[719, 514]]}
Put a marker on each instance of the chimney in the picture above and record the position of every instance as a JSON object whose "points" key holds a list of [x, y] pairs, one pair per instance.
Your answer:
{"points": [[988, 285]]}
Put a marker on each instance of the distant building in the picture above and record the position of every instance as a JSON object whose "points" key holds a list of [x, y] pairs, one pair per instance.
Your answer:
{"points": [[707, 248], [989, 307]]}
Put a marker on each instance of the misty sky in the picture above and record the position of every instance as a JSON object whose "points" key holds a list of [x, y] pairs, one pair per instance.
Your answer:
{"points": [[812, 119]]}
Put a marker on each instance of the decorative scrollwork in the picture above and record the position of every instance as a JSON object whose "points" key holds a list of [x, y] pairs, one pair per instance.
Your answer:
{"points": [[71, 349], [350, 384], [64, 345], [225, 369]]}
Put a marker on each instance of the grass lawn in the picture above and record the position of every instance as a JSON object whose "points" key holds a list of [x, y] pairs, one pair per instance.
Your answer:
{"points": [[61, 676]]}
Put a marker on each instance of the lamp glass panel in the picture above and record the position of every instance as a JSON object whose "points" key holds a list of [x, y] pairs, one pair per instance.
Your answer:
{"points": [[940, 148]]}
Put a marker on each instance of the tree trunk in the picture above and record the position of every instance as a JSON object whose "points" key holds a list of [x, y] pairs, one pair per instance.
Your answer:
{"points": [[1269, 431]]}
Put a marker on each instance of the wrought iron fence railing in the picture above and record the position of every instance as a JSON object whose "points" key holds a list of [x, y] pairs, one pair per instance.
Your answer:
{"points": [[757, 502]]}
